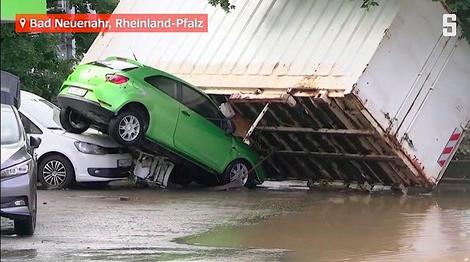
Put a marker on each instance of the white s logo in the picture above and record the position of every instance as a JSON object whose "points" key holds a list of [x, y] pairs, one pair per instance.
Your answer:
{"points": [[449, 25]]}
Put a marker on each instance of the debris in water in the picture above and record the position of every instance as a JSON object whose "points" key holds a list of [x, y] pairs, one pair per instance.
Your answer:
{"points": [[124, 198]]}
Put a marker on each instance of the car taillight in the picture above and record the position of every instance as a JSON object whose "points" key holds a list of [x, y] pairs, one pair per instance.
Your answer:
{"points": [[116, 79]]}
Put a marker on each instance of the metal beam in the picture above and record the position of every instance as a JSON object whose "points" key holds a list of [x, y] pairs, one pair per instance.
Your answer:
{"points": [[326, 131], [255, 123], [346, 156], [282, 164], [325, 169], [350, 117]]}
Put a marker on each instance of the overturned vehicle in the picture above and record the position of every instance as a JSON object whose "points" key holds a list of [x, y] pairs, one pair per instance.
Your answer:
{"points": [[324, 90]]}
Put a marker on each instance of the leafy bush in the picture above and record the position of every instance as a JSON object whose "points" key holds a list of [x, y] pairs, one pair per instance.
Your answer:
{"points": [[462, 9], [463, 153], [33, 58]]}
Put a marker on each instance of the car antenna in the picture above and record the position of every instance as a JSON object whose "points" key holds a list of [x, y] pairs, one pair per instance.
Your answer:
{"points": [[133, 54]]}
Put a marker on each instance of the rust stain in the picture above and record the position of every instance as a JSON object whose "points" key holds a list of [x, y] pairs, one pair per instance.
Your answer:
{"points": [[242, 125], [308, 82]]}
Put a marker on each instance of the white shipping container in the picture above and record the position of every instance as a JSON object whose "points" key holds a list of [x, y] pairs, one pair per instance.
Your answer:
{"points": [[375, 97], [417, 86]]}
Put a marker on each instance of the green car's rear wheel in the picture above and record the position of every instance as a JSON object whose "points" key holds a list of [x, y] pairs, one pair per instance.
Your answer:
{"points": [[73, 122], [128, 127]]}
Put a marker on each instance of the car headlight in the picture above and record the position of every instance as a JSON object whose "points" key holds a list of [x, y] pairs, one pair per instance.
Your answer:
{"points": [[88, 148], [19, 169]]}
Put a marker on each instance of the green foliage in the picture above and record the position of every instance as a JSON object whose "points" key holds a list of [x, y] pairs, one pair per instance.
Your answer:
{"points": [[463, 153], [224, 4], [33, 58], [101, 6], [83, 41], [367, 4], [462, 9]]}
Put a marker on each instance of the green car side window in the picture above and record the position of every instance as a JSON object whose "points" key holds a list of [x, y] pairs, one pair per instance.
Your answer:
{"points": [[200, 104], [167, 85]]}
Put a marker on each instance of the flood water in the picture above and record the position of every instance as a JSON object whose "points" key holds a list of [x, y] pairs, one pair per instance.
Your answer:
{"points": [[280, 222], [358, 228]]}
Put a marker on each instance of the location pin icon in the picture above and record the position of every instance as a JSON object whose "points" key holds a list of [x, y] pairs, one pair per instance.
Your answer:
{"points": [[22, 21]]}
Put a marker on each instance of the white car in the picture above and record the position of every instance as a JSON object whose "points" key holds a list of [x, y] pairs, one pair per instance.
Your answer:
{"points": [[65, 158]]}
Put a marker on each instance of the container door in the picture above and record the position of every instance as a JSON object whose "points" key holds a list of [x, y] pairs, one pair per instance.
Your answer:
{"points": [[398, 69], [416, 85], [435, 123], [423, 86]]}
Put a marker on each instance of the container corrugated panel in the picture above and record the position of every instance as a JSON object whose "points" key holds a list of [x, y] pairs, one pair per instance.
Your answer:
{"points": [[260, 44]]}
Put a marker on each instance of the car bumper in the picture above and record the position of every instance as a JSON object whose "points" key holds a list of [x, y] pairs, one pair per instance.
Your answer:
{"points": [[16, 195], [90, 109], [16, 213], [118, 172], [97, 168]]}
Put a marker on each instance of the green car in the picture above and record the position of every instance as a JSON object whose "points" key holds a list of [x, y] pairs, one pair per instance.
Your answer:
{"points": [[136, 105]]}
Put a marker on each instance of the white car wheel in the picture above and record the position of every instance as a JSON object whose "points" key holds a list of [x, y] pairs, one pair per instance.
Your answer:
{"points": [[56, 171]]}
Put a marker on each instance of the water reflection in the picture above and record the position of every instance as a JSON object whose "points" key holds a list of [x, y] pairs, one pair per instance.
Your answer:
{"points": [[360, 227]]}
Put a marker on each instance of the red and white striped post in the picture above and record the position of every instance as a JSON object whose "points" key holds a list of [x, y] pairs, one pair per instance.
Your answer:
{"points": [[450, 147]]}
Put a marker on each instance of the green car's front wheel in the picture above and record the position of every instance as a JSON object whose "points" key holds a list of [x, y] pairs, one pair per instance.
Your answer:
{"points": [[239, 169], [128, 127]]}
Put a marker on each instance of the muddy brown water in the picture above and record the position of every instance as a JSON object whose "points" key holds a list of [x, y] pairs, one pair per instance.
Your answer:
{"points": [[359, 228], [276, 223]]}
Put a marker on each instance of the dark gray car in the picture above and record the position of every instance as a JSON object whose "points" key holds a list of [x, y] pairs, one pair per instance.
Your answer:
{"points": [[18, 172]]}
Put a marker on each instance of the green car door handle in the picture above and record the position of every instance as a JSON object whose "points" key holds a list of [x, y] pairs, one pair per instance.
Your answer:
{"points": [[185, 113]]}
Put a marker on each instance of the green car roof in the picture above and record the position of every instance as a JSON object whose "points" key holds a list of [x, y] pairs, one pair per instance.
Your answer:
{"points": [[137, 64]]}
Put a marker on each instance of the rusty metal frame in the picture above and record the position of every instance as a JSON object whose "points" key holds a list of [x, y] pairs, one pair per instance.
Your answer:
{"points": [[322, 138], [326, 131]]}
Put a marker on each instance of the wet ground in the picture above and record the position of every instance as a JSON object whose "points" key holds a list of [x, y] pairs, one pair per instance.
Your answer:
{"points": [[279, 223]]}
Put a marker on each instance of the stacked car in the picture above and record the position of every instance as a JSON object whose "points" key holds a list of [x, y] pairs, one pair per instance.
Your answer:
{"points": [[145, 108], [66, 158]]}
